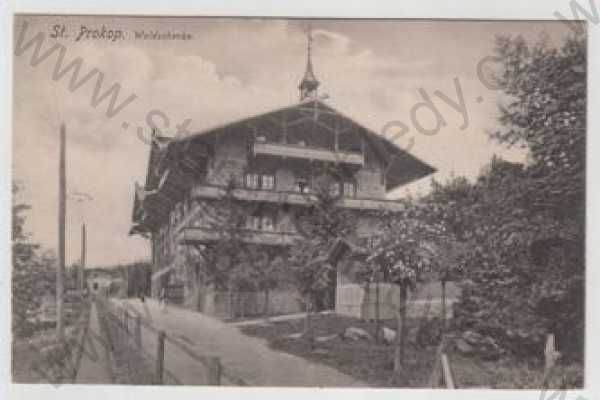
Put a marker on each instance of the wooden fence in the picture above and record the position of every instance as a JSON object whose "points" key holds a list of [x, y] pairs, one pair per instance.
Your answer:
{"points": [[136, 329], [442, 374]]}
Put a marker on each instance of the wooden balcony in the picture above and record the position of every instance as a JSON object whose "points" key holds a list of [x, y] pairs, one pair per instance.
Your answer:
{"points": [[294, 198], [308, 153], [198, 235]]}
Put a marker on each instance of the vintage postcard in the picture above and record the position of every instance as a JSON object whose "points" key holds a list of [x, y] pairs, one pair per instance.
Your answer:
{"points": [[296, 202]]}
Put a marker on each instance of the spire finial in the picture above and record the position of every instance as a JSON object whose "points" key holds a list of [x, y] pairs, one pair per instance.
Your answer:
{"points": [[309, 40], [309, 84]]}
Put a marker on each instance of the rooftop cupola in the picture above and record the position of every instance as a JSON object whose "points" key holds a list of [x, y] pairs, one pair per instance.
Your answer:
{"points": [[309, 84]]}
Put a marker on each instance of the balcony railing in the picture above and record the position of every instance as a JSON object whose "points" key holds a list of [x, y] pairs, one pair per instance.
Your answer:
{"points": [[293, 198], [207, 235], [308, 153]]}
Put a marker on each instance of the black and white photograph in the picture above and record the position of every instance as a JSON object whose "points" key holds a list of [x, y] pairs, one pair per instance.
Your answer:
{"points": [[299, 202]]}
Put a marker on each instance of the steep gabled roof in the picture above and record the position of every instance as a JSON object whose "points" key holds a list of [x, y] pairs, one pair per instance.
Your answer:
{"points": [[402, 167], [176, 157]]}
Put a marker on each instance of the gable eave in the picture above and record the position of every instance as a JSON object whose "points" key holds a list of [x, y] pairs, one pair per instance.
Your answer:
{"points": [[403, 167]]}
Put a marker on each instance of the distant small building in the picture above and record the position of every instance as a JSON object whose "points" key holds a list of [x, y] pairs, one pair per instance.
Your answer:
{"points": [[100, 281]]}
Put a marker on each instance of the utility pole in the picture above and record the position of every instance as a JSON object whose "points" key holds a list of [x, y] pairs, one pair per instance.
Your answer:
{"points": [[83, 250], [62, 211], [377, 311]]}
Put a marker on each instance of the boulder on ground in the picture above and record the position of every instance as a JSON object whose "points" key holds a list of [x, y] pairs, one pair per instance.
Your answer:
{"points": [[354, 333], [463, 347], [472, 337], [474, 343], [294, 335], [325, 338], [389, 335]]}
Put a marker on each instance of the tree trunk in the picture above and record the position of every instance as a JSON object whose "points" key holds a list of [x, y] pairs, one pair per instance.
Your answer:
{"points": [[266, 307], [443, 305], [200, 290], [241, 303], [231, 310], [401, 330], [307, 317], [377, 314], [365, 312]]}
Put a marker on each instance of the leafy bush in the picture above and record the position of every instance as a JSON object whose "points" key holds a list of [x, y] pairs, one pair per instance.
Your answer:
{"points": [[523, 225], [429, 332]]}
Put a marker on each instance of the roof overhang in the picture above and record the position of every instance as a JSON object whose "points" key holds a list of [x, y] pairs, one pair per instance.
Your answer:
{"points": [[401, 166]]}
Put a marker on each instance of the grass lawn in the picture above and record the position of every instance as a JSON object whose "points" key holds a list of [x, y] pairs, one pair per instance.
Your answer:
{"points": [[24, 358], [373, 364], [366, 361]]}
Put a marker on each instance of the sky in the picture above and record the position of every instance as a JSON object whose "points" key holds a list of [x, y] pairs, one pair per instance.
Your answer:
{"points": [[375, 71]]}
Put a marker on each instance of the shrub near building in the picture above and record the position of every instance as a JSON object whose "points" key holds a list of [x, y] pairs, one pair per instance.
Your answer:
{"points": [[525, 223]]}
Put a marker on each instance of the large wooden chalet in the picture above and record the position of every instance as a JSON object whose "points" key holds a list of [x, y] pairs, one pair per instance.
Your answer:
{"points": [[269, 163]]}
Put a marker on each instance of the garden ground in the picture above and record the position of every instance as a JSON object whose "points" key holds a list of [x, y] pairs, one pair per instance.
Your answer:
{"points": [[373, 363], [39, 358]]}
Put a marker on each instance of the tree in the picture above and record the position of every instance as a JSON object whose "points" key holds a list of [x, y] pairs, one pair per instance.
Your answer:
{"points": [[232, 262], [23, 250], [525, 265], [224, 217], [515, 291], [546, 113], [264, 269], [403, 249], [320, 225], [32, 273], [447, 202]]}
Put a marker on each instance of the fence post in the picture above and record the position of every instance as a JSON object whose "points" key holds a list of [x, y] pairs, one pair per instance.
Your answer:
{"points": [[447, 372], [160, 358], [126, 323], [214, 371], [550, 356], [138, 332]]}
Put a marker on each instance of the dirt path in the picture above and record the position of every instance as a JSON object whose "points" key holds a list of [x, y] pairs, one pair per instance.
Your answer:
{"points": [[94, 366], [275, 318], [244, 357]]}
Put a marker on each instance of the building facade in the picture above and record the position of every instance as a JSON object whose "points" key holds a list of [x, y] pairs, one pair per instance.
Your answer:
{"points": [[268, 164]]}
